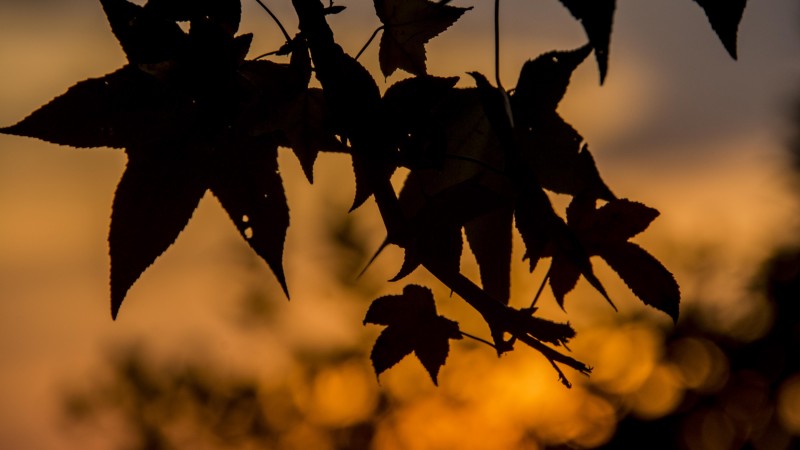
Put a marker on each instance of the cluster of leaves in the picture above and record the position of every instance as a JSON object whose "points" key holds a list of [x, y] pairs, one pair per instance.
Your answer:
{"points": [[193, 114]]}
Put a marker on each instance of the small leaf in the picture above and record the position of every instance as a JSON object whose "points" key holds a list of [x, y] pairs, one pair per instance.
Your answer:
{"points": [[724, 16], [408, 26], [412, 325], [597, 17]]}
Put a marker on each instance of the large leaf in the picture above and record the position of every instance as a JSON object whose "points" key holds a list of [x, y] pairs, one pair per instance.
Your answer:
{"points": [[407, 26], [412, 325], [185, 111]]}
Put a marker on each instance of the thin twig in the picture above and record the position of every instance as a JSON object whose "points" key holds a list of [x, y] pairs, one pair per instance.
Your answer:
{"points": [[497, 43], [369, 41], [484, 341], [275, 52], [541, 287], [277, 21]]}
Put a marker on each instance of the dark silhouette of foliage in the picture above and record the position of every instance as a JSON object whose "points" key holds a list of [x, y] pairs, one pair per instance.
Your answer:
{"points": [[193, 114], [412, 325]]}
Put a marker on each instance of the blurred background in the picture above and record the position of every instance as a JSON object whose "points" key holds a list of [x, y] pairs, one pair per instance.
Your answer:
{"points": [[207, 352]]}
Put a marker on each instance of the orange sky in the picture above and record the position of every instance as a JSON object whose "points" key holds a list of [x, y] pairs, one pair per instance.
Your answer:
{"points": [[678, 126]]}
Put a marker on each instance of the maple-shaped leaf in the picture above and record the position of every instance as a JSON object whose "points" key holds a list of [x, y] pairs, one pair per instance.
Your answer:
{"points": [[605, 232], [597, 17], [407, 26], [185, 123], [554, 151], [412, 325], [724, 16]]}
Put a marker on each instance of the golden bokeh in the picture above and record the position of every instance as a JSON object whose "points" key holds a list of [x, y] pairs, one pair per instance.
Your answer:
{"points": [[789, 404]]}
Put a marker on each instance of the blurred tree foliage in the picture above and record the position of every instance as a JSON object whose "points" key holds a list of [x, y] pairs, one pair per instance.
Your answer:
{"points": [[702, 390]]}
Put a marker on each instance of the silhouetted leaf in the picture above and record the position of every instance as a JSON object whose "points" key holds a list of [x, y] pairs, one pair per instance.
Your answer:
{"points": [[605, 232], [724, 16], [554, 151], [436, 212], [247, 183], [412, 325], [154, 201], [188, 124], [309, 129], [597, 17], [543, 81], [408, 26], [123, 108], [413, 110], [489, 237], [645, 276]]}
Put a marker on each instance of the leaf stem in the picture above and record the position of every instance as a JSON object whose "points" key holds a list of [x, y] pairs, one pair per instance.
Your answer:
{"points": [[497, 43], [541, 287], [264, 55], [369, 41], [277, 21], [476, 338]]}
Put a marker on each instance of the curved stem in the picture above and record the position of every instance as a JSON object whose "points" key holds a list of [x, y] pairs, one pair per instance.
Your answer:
{"points": [[476, 338], [277, 21], [541, 287], [369, 41], [497, 43], [264, 55]]}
